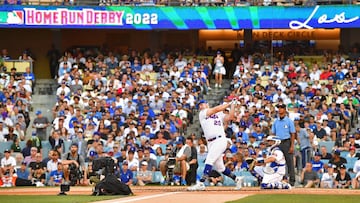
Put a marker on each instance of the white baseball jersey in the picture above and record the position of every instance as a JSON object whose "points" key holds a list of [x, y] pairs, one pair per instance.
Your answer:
{"points": [[8, 162], [278, 167], [280, 163], [356, 168], [212, 125], [328, 180]]}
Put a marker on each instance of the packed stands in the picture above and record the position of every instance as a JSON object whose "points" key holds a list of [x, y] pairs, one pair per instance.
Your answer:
{"points": [[133, 107]]}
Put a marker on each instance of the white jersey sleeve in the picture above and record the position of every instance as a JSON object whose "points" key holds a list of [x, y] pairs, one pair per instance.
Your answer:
{"points": [[356, 167], [279, 162], [279, 156], [212, 125]]}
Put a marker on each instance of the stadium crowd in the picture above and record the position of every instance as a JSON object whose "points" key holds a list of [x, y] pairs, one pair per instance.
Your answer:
{"points": [[136, 108]]}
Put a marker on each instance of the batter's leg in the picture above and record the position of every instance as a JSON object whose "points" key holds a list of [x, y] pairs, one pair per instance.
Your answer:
{"points": [[219, 165]]}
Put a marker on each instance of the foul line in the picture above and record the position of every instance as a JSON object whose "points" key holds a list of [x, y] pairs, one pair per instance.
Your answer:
{"points": [[142, 198]]}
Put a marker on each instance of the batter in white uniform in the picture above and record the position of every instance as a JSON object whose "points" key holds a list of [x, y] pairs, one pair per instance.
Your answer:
{"points": [[274, 170], [211, 120]]}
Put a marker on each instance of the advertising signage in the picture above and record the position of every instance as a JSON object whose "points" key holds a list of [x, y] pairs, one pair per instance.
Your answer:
{"points": [[181, 18]]}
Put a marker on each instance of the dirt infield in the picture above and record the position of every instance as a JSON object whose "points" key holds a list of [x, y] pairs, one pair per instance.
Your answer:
{"points": [[175, 194]]}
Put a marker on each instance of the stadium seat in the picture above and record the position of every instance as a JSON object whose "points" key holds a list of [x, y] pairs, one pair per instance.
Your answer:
{"points": [[328, 144], [67, 145], [320, 175], [325, 161], [46, 147], [22, 144], [228, 181], [158, 159], [134, 177], [157, 177], [200, 170], [5, 145], [201, 163], [350, 162], [163, 148], [352, 175], [344, 153], [249, 179]]}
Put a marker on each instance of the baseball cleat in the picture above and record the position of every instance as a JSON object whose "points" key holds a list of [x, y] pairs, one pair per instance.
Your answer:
{"points": [[199, 186], [286, 186], [239, 181]]}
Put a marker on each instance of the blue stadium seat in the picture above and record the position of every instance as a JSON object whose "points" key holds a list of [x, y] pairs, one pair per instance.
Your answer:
{"points": [[47, 178], [325, 161], [350, 162], [157, 177], [328, 144], [46, 147], [138, 142], [200, 170], [352, 175], [22, 144], [228, 181], [344, 153], [249, 179], [134, 177], [158, 159], [201, 163], [5, 145], [67, 145], [320, 175], [163, 148]]}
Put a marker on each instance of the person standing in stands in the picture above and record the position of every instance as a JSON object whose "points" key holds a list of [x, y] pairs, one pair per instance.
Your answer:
{"points": [[219, 69], [41, 123], [53, 55], [284, 128]]}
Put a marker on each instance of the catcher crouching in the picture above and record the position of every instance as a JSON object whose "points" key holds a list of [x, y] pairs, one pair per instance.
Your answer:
{"points": [[275, 167]]}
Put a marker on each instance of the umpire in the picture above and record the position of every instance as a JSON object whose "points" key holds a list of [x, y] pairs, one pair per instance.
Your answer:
{"points": [[284, 128]]}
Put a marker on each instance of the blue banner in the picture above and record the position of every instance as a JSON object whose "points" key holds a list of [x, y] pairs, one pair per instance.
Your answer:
{"points": [[181, 18]]}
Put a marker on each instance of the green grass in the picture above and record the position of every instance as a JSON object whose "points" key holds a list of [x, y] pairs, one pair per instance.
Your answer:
{"points": [[53, 198], [292, 198]]}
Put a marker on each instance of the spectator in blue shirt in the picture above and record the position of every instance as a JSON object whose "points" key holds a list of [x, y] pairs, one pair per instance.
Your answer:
{"points": [[136, 65], [242, 135], [149, 112], [23, 172], [147, 134], [317, 164], [331, 123], [258, 134], [126, 175], [29, 76], [57, 176], [240, 163], [339, 75]]}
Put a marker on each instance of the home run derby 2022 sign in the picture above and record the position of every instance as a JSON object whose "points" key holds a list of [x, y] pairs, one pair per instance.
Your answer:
{"points": [[181, 18]]}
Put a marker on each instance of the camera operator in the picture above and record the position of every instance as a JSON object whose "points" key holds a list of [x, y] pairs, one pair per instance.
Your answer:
{"points": [[74, 166], [182, 154]]}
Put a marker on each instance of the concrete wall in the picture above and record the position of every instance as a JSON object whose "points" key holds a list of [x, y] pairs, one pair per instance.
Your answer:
{"points": [[349, 37]]}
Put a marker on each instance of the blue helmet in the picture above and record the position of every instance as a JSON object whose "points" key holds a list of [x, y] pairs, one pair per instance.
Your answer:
{"points": [[203, 101]]}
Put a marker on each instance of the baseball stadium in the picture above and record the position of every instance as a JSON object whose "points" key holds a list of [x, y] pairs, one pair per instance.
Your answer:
{"points": [[179, 101]]}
